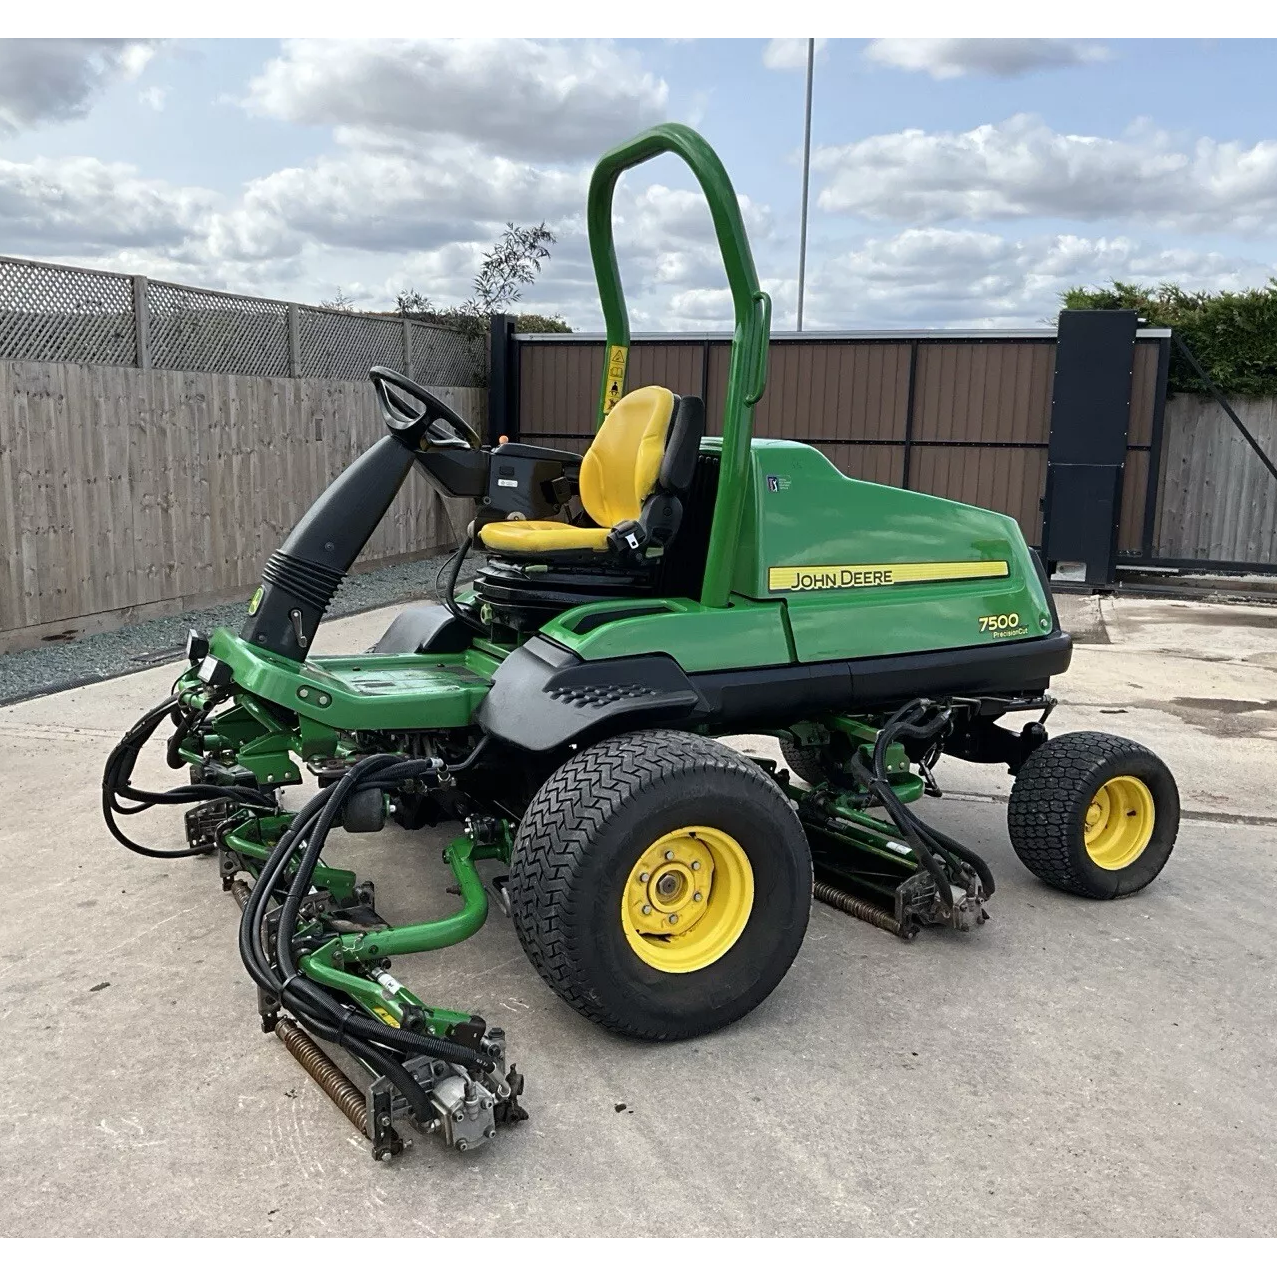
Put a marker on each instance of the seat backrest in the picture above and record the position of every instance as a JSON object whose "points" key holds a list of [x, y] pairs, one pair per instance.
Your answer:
{"points": [[623, 463]]}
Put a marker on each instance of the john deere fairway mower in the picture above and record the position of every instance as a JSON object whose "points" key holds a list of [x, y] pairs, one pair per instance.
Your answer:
{"points": [[635, 604]]}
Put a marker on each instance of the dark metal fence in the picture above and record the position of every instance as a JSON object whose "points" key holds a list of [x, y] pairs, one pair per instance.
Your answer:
{"points": [[966, 415]]}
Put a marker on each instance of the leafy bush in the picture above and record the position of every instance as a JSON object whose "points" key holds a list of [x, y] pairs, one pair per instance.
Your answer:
{"points": [[514, 261], [541, 324], [1232, 335]]}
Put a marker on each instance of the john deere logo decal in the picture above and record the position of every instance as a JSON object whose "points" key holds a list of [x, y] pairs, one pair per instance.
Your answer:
{"points": [[849, 576], [255, 602]]}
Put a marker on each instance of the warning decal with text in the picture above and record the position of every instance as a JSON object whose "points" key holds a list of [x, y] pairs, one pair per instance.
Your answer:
{"points": [[615, 387]]}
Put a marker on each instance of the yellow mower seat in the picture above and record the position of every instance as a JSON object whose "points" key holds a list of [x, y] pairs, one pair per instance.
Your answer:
{"points": [[618, 473], [532, 536]]}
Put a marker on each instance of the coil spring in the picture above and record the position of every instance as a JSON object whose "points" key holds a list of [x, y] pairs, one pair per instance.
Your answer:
{"points": [[332, 1081], [836, 898]]}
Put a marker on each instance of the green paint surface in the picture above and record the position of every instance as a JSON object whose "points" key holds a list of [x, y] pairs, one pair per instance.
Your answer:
{"points": [[745, 633], [812, 515], [368, 693]]}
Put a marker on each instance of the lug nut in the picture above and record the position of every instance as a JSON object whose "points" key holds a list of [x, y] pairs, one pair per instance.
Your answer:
{"points": [[647, 908], [673, 917], [492, 1133], [697, 896], [462, 1146], [669, 855], [696, 864], [644, 877]]}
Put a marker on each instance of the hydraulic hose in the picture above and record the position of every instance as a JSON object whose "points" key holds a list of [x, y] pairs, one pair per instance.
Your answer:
{"points": [[321, 1013], [117, 778], [383, 1047], [930, 845], [450, 588]]}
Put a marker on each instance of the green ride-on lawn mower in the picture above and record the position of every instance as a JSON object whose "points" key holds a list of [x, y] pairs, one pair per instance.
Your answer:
{"points": [[637, 603]]}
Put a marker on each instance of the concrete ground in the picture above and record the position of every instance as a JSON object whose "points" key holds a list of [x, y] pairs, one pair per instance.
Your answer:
{"points": [[1073, 1068]]}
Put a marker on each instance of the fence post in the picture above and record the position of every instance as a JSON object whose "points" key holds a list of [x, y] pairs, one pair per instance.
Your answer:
{"points": [[503, 380], [294, 340], [142, 323], [1086, 452], [407, 347]]}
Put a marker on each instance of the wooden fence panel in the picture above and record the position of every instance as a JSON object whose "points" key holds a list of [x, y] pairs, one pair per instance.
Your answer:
{"points": [[129, 493], [1216, 500]]}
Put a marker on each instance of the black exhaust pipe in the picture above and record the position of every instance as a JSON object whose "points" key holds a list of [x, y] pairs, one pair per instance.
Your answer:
{"points": [[302, 576]]}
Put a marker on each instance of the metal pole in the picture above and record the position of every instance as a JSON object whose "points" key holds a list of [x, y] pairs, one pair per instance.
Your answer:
{"points": [[802, 233]]}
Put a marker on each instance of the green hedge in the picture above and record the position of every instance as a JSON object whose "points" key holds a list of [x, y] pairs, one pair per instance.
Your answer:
{"points": [[1233, 335]]}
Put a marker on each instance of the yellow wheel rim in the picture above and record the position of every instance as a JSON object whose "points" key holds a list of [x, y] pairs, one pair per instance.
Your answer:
{"points": [[687, 899], [1119, 822]]}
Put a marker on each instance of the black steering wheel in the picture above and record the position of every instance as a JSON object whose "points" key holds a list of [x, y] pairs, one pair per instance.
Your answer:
{"points": [[434, 425]]}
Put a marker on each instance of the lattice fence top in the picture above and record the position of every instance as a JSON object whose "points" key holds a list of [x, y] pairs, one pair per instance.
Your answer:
{"points": [[335, 344], [64, 314], [445, 357], [217, 332], [55, 314]]}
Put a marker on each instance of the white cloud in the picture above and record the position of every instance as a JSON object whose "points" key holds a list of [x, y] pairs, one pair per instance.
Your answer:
{"points": [[393, 200], [701, 308], [1023, 168], [434, 147], [49, 81], [679, 217], [789, 55], [412, 188], [948, 59], [973, 278], [154, 97], [522, 98], [79, 204]]}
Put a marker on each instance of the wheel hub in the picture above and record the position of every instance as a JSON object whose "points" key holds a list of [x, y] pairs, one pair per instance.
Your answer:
{"points": [[1119, 822], [687, 899]]}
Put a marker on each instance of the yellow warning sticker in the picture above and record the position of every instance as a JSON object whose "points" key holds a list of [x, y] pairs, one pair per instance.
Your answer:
{"points": [[382, 1014], [848, 576], [617, 356]]}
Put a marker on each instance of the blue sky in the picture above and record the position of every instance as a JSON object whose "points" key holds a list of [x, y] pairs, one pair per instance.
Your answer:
{"points": [[954, 182]]}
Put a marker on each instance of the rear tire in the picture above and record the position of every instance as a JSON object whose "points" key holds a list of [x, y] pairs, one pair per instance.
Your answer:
{"points": [[581, 912], [805, 761], [1094, 815]]}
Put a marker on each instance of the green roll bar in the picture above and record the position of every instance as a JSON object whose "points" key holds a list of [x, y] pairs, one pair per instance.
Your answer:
{"points": [[747, 376]]}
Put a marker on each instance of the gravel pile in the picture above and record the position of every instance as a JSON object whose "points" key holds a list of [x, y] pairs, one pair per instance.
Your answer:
{"points": [[53, 667]]}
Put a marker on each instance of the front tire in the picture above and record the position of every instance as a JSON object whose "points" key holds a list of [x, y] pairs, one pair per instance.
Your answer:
{"points": [[1094, 815], [661, 884]]}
